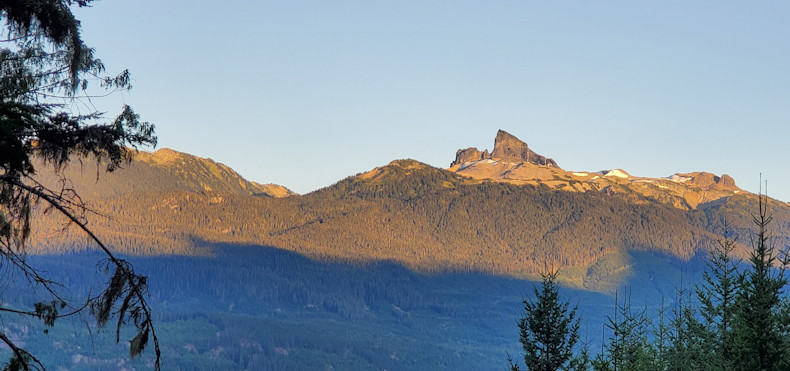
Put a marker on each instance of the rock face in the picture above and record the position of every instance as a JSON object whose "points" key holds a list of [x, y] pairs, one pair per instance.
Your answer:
{"points": [[512, 161], [470, 155], [707, 180], [506, 147]]}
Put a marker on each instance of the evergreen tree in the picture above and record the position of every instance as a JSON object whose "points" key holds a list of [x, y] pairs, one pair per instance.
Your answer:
{"points": [[688, 346], [628, 348], [759, 342], [45, 75], [549, 330], [662, 334], [717, 295]]}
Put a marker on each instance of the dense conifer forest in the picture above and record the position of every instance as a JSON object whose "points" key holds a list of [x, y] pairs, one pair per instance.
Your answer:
{"points": [[419, 216], [405, 267], [735, 318]]}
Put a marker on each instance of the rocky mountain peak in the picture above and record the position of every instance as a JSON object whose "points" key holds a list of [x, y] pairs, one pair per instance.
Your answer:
{"points": [[707, 180], [469, 155], [506, 147]]}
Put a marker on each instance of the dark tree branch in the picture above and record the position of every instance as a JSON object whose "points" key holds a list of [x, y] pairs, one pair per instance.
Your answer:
{"points": [[121, 265], [26, 360]]}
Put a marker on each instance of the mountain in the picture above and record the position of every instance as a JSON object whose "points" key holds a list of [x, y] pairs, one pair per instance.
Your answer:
{"points": [[506, 147], [405, 266], [121, 202], [511, 161], [495, 215], [162, 171]]}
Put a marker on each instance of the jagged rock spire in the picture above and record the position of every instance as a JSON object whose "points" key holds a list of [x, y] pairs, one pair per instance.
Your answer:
{"points": [[506, 147]]}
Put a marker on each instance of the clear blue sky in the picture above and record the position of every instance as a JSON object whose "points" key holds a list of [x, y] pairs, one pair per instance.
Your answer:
{"points": [[305, 93]]}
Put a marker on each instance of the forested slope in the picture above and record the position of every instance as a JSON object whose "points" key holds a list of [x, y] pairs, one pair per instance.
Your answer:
{"points": [[423, 217]]}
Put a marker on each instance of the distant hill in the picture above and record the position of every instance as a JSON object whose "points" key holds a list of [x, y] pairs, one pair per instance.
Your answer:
{"points": [[165, 170], [426, 218]]}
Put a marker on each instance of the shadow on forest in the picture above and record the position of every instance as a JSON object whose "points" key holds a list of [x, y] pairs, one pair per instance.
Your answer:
{"points": [[263, 306]]}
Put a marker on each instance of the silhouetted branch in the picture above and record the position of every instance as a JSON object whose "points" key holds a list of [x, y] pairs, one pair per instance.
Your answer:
{"points": [[21, 358], [124, 274]]}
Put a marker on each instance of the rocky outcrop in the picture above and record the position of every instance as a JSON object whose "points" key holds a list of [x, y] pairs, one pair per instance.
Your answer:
{"points": [[469, 155], [707, 180], [506, 147], [727, 182]]}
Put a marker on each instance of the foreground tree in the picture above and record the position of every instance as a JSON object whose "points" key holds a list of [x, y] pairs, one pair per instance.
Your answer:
{"points": [[717, 294], [689, 344], [549, 330], [46, 73], [628, 348], [759, 340], [740, 321]]}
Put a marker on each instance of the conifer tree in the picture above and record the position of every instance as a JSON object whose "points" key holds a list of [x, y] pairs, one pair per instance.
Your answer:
{"points": [[662, 335], [549, 330], [688, 344], [759, 342], [628, 347], [717, 294]]}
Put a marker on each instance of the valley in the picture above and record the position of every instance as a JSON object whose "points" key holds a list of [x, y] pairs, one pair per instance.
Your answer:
{"points": [[405, 266], [261, 308]]}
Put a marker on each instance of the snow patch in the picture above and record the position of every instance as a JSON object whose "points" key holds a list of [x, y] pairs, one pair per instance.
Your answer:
{"points": [[617, 172], [677, 178], [580, 174], [466, 165]]}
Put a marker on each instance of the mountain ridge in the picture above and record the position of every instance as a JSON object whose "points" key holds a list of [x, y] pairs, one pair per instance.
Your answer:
{"points": [[164, 170], [681, 190], [423, 217], [506, 147]]}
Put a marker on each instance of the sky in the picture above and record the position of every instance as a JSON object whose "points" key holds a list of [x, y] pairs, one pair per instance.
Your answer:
{"points": [[306, 93]]}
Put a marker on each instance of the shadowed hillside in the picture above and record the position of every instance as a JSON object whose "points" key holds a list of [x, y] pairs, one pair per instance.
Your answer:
{"points": [[423, 217]]}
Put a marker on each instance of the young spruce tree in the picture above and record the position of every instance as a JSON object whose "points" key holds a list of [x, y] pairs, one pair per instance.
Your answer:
{"points": [[628, 348], [760, 337], [549, 330], [717, 294]]}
